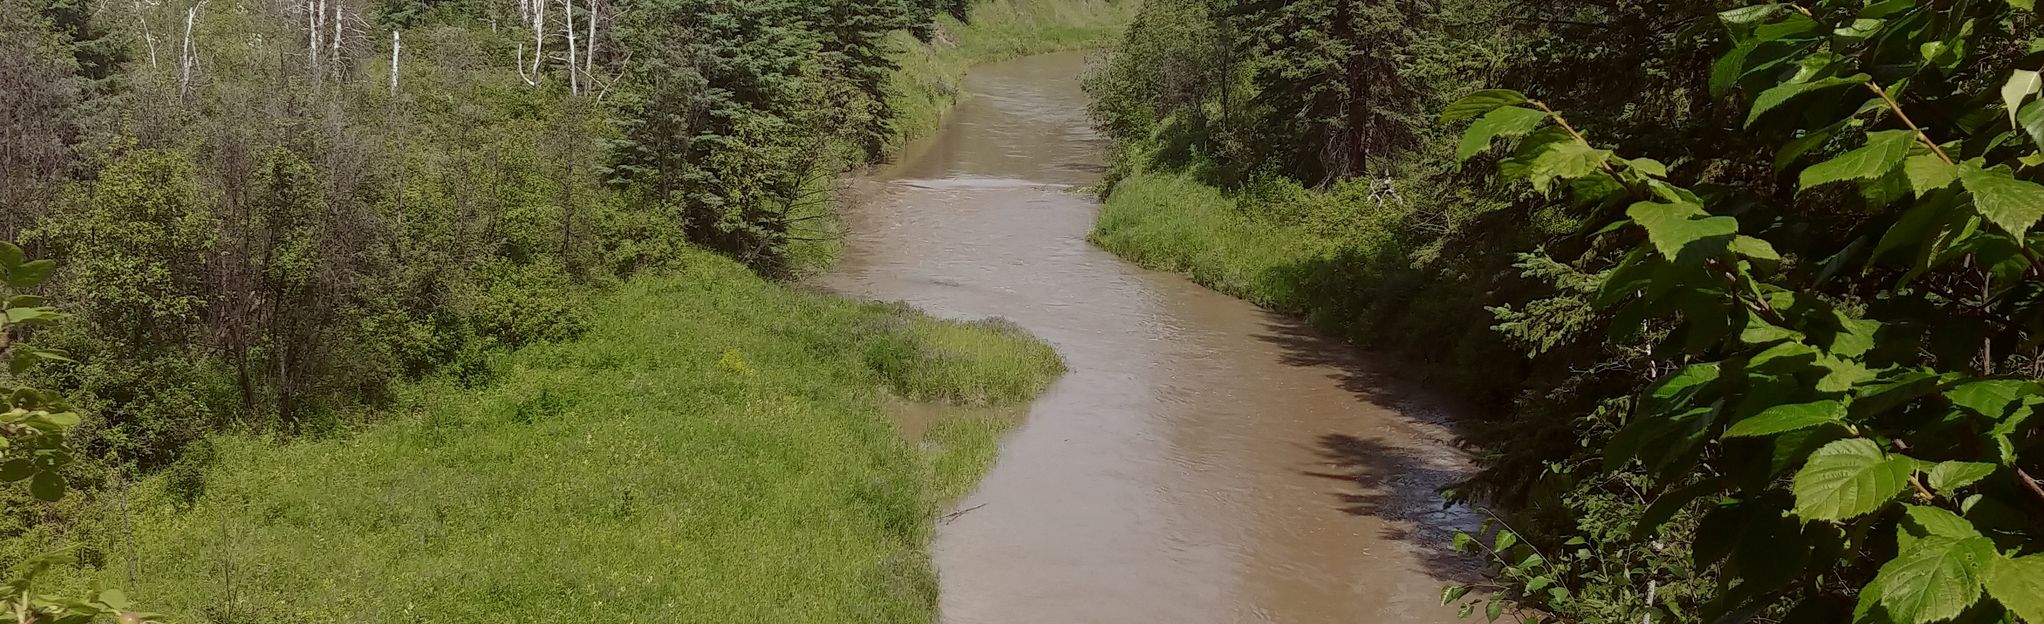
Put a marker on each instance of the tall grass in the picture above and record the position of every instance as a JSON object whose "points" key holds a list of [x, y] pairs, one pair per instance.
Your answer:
{"points": [[1173, 222], [714, 449]]}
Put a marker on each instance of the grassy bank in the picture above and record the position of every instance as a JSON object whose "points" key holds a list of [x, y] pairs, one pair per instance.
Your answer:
{"points": [[1337, 258], [927, 84], [713, 450]]}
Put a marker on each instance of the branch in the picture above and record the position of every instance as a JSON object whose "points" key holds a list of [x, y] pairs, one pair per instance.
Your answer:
{"points": [[1897, 108]]}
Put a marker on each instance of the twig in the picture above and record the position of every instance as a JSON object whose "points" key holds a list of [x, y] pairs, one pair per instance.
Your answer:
{"points": [[1897, 107], [954, 515]]}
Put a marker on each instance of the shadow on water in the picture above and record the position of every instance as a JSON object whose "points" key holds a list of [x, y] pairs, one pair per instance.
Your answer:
{"points": [[1397, 484]]}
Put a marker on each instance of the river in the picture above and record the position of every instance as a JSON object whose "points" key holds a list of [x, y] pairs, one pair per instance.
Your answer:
{"points": [[1204, 460]]}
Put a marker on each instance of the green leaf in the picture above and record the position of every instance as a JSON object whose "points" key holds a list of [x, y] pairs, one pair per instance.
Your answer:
{"points": [[2031, 121], [1928, 173], [1649, 166], [29, 274], [1990, 397], [1453, 593], [47, 485], [1801, 145], [2027, 5], [11, 256], [1509, 121], [1505, 539], [1882, 153], [1683, 232], [1729, 68], [1847, 479], [2021, 85], [1785, 418], [1565, 160], [1754, 248], [1952, 475], [2013, 205], [2019, 585], [16, 470], [1496, 610], [1938, 522], [1677, 388], [1749, 15], [1935, 579], [1481, 102], [1770, 99]]}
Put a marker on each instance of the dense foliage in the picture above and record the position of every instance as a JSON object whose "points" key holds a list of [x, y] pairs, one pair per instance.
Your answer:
{"points": [[272, 216], [1766, 309]]}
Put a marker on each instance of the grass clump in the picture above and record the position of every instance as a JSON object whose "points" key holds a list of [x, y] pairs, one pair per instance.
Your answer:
{"points": [[704, 453], [1174, 222], [987, 362]]}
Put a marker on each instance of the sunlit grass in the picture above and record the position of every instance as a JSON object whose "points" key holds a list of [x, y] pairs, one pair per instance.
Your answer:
{"points": [[713, 450], [1173, 222]]}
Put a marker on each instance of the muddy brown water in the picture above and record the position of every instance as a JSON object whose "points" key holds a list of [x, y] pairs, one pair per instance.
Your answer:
{"points": [[1204, 460]]}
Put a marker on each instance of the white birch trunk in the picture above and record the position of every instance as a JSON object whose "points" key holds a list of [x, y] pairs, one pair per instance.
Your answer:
{"points": [[589, 48], [395, 45], [185, 56], [568, 12], [334, 46], [538, 37], [312, 34]]}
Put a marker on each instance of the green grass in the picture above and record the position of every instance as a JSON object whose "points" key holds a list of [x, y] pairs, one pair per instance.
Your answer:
{"points": [[1173, 222], [715, 449], [928, 82]]}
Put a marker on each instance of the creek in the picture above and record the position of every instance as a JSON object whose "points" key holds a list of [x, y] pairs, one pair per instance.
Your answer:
{"points": [[1204, 460]]}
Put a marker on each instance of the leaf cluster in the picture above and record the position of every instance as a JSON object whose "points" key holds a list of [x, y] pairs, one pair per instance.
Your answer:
{"points": [[1850, 408]]}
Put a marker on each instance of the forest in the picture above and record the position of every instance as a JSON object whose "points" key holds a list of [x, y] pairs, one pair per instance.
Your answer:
{"points": [[266, 262], [1762, 280]]}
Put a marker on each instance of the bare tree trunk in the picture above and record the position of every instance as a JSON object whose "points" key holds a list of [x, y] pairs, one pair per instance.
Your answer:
{"points": [[538, 37], [147, 37], [334, 46], [317, 26], [395, 45], [589, 47], [186, 58], [574, 82]]}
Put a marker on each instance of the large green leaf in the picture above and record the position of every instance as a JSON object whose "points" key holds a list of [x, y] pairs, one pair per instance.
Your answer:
{"points": [[1481, 102], [1882, 153], [1935, 579], [1561, 160], [1770, 99], [2031, 120], [1785, 418], [2022, 84], [1928, 173], [1847, 479], [1990, 397], [2012, 204], [2018, 584], [1508, 121], [1952, 475], [1683, 232]]}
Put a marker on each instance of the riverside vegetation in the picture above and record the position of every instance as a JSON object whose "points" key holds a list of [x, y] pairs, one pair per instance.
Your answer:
{"points": [[1763, 278], [458, 310]]}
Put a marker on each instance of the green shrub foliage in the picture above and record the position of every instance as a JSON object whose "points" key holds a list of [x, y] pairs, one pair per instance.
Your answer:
{"points": [[1764, 289]]}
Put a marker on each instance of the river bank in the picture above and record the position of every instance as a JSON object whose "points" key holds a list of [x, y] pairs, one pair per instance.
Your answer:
{"points": [[1203, 460], [716, 448]]}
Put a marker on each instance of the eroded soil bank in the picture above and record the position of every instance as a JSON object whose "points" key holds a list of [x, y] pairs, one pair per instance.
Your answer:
{"points": [[1204, 460]]}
